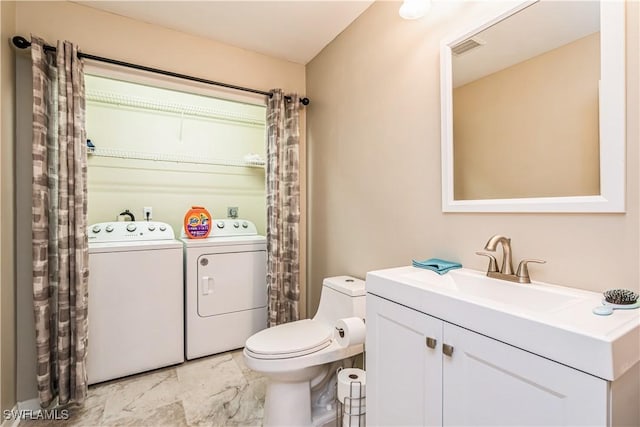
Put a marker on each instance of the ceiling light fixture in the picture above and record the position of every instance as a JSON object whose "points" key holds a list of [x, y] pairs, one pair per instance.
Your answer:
{"points": [[414, 9]]}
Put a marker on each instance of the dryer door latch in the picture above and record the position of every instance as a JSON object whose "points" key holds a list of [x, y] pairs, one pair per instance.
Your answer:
{"points": [[206, 283]]}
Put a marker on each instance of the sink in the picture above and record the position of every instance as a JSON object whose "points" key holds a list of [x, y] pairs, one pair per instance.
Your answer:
{"points": [[476, 285], [552, 321], [526, 297]]}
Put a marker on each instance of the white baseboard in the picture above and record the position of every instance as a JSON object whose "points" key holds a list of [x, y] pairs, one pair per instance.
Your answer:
{"points": [[29, 405], [13, 418], [31, 410], [13, 421]]}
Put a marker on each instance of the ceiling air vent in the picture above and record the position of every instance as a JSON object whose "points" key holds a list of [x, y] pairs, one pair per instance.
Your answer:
{"points": [[467, 45]]}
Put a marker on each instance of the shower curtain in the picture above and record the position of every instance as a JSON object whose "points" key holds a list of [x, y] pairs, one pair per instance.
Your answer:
{"points": [[59, 224], [283, 207]]}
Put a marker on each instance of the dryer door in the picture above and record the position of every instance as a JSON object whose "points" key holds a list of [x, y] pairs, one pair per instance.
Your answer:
{"points": [[231, 282]]}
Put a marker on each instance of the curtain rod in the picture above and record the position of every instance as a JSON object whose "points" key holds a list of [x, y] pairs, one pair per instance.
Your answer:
{"points": [[22, 43]]}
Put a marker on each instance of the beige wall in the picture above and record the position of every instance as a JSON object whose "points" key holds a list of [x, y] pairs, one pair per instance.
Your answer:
{"points": [[7, 203], [538, 120], [109, 35], [374, 164]]}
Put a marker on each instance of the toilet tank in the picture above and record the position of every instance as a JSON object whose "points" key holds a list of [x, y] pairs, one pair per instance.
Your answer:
{"points": [[342, 296]]}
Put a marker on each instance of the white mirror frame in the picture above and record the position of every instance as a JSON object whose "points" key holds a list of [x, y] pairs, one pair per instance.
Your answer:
{"points": [[612, 126]]}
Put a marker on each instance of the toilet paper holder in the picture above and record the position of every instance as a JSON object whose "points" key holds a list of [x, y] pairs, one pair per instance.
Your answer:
{"points": [[341, 330], [353, 406]]}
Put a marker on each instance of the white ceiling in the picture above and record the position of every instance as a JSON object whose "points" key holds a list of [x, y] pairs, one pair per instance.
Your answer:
{"points": [[539, 28], [295, 30]]}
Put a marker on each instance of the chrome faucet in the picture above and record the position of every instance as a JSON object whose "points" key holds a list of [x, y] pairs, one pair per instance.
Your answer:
{"points": [[506, 271]]}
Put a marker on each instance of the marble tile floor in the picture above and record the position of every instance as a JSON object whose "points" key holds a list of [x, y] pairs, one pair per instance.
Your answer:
{"points": [[214, 391]]}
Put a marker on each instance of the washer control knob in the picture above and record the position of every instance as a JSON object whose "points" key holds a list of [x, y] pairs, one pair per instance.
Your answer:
{"points": [[163, 228], [96, 229], [245, 224], [236, 224], [151, 227], [131, 227], [220, 224], [109, 228]]}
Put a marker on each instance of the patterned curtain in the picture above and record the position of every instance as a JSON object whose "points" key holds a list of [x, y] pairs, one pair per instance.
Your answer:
{"points": [[60, 248], [283, 207]]}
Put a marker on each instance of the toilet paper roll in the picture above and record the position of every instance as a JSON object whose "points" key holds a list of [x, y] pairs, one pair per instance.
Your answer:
{"points": [[352, 383], [350, 331]]}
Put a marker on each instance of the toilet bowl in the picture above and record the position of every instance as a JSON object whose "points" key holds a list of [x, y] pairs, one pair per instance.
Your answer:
{"points": [[298, 356]]}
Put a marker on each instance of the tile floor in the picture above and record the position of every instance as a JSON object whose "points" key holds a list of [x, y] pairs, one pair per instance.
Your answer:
{"points": [[214, 391]]}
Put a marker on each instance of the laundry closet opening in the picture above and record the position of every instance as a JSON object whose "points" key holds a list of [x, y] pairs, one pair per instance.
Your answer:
{"points": [[171, 150]]}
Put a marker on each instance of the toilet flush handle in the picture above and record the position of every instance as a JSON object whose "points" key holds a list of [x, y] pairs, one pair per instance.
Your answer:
{"points": [[206, 282]]}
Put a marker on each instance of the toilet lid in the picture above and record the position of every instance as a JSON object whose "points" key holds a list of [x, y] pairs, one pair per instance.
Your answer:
{"points": [[290, 340]]}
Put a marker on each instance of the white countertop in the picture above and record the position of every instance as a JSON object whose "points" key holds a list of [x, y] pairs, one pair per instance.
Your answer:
{"points": [[552, 321]]}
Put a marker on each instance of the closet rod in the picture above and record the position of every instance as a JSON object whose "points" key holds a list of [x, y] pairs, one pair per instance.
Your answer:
{"points": [[22, 43]]}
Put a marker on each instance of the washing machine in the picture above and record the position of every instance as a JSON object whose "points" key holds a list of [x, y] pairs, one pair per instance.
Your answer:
{"points": [[136, 299], [225, 287]]}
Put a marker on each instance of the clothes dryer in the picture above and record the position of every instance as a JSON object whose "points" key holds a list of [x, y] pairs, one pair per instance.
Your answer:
{"points": [[225, 287]]}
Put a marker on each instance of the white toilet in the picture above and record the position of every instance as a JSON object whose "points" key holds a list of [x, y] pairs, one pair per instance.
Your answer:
{"points": [[298, 357]]}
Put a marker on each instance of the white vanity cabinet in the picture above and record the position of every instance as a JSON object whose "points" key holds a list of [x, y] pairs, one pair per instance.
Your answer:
{"points": [[422, 370], [404, 375]]}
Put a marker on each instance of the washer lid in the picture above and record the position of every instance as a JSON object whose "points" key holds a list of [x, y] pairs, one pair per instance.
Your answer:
{"points": [[149, 245], [290, 339]]}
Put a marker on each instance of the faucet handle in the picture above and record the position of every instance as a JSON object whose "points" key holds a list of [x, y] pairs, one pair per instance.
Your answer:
{"points": [[523, 271], [493, 263]]}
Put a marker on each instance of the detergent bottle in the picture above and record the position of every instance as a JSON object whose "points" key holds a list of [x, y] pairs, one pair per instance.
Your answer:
{"points": [[197, 222]]}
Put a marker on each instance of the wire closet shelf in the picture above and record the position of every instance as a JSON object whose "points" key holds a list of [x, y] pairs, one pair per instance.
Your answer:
{"points": [[129, 101], [169, 157]]}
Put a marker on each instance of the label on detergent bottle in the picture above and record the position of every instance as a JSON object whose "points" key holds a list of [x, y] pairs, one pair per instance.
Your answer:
{"points": [[197, 223]]}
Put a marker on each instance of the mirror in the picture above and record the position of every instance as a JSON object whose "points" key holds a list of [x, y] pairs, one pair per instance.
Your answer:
{"points": [[533, 114]]}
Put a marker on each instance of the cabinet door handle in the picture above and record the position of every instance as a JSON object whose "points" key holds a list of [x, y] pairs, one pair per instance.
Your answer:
{"points": [[447, 349], [431, 342]]}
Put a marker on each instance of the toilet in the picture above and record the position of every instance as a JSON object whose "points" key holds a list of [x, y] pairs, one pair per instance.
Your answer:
{"points": [[299, 358]]}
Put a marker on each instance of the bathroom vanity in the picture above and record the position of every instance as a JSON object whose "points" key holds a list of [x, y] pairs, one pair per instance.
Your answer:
{"points": [[465, 349]]}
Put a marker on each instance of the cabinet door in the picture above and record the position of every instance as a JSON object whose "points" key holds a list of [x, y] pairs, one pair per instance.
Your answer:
{"points": [[487, 382], [404, 375]]}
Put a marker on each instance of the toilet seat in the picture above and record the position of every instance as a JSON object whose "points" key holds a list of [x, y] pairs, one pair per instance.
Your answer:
{"points": [[290, 340]]}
